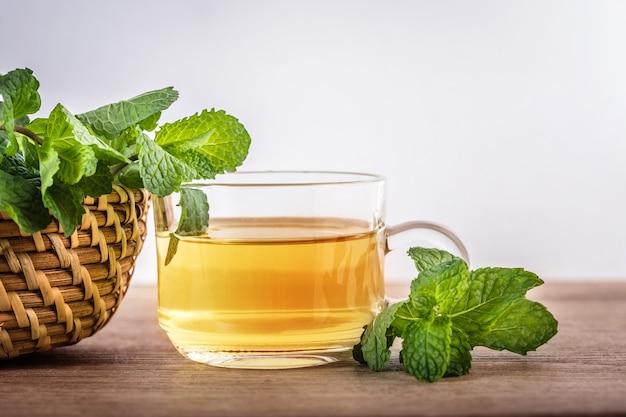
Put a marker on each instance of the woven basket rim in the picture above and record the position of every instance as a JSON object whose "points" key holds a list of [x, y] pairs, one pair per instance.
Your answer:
{"points": [[56, 290]]}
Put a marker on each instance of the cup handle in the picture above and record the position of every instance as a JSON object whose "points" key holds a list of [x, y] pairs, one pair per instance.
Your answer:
{"points": [[413, 228], [433, 234]]}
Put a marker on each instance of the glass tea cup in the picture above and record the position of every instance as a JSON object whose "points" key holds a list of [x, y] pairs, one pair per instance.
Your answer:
{"points": [[289, 269]]}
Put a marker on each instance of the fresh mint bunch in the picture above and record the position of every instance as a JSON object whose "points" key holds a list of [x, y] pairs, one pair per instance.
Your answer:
{"points": [[449, 311], [48, 165]]}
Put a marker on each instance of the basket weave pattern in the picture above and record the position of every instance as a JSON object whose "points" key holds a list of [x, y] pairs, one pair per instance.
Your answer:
{"points": [[55, 291]]}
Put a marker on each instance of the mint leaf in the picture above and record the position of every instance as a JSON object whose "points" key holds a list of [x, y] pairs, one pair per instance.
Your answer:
{"points": [[460, 354], [99, 183], [194, 217], [418, 306], [5, 143], [151, 122], [446, 282], [130, 176], [74, 160], [8, 123], [433, 292], [29, 151], [377, 339], [65, 203], [426, 258], [38, 126], [16, 166], [522, 327], [75, 148], [126, 142], [213, 142], [110, 120], [426, 348], [162, 172], [490, 292], [49, 164], [19, 89], [172, 248], [63, 126], [21, 200]]}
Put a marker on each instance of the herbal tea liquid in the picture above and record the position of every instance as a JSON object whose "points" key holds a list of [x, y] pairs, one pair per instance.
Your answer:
{"points": [[278, 285]]}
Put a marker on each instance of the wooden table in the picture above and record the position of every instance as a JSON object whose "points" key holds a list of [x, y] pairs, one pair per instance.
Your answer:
{"points": [[130, 369]]}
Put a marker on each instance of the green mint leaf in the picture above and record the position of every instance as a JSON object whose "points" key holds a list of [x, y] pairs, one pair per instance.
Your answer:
{"points": [[460, 354], [213, 142], [426, 348], [172, 248], [22, 121], [126, 142], [63, 125], [522, 327], [151, 122], [490, 292], [5, 143], [20, 88], [130, 176], [38, 126], [21, 200], [418, 306], [446, 282], [74, 160], [99, 183], [20, 97], [78, 151], [110, 120], [426, 258], [8, 122], [65, 203], [10, 142], [433, 292], [357, 350], [30, 152], [161, 172], [16, 166], [194, 217], [377, 339], [49, 163]]}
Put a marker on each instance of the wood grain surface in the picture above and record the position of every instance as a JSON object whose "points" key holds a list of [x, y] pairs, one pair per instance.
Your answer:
{"points": [[130, 369]]}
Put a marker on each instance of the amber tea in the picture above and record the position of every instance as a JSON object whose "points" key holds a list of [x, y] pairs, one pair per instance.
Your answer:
{"points": [[271, 285]]}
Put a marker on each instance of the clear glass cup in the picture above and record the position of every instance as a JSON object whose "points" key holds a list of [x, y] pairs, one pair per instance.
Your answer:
{"points": [[289, 270]]}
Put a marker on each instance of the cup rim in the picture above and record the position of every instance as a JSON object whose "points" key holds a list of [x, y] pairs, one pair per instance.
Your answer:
{"points": [[287, 178]]}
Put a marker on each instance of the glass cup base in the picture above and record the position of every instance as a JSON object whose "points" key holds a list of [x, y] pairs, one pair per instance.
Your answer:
{"points": [[262, 360]]}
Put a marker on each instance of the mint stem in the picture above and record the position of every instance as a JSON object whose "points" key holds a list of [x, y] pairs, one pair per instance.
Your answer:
{"points": [[32, 135], [119, 167]]}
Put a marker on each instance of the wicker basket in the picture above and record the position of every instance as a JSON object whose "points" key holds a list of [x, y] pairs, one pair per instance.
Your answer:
{"points": [[55, 291]]}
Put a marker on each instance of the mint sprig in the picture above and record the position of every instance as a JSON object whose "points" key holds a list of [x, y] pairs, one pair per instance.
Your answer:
{"points": [[449, 311], [194, 218], [50, 164]]}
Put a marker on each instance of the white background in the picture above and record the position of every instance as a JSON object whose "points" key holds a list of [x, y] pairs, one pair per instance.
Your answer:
{"points": [[505, 120]]}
